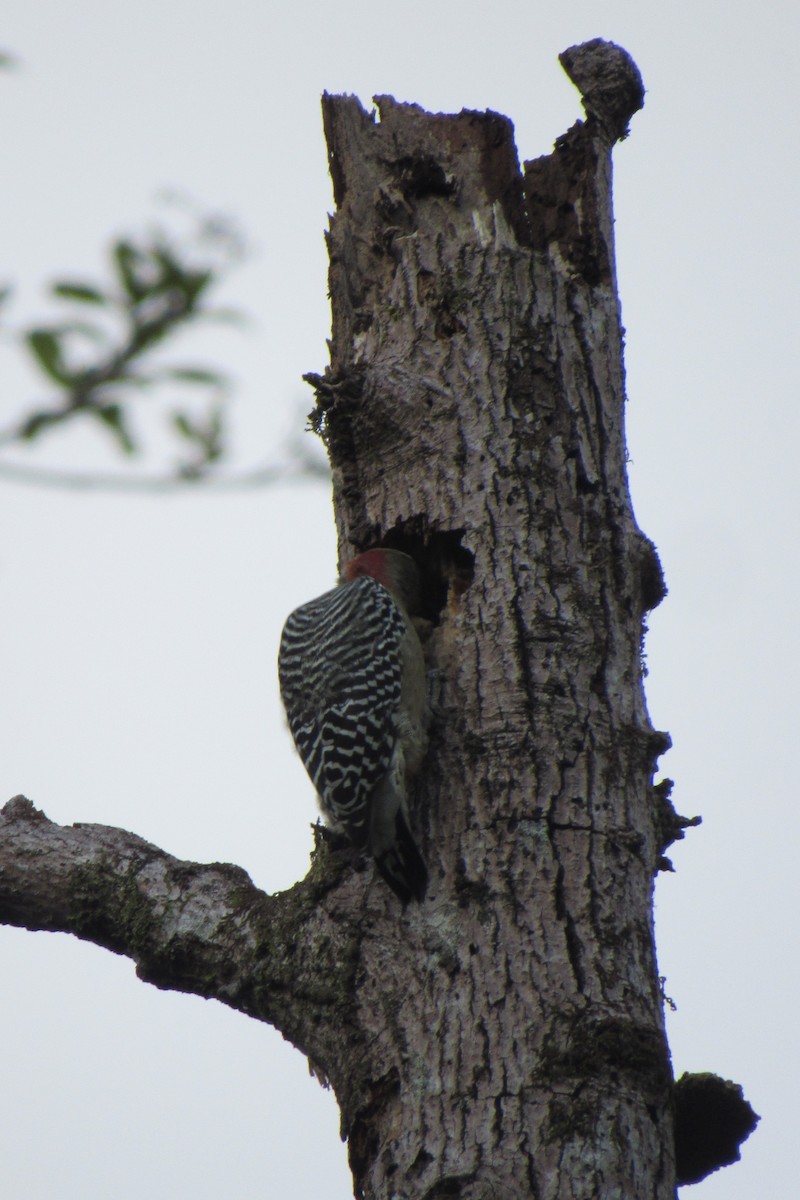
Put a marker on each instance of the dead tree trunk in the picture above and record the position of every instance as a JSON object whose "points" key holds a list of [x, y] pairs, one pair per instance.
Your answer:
{"points": [[474, 415], [505, 1038]]}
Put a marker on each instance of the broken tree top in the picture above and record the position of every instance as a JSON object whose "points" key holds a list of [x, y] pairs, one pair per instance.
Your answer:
{"points": [[382, 170]]}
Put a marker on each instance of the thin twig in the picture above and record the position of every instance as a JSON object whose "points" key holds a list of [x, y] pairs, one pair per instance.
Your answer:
{"points": [[93, 481]]}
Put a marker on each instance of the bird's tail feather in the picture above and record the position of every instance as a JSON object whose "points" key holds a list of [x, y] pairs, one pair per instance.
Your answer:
{"points": [[401, 864]]}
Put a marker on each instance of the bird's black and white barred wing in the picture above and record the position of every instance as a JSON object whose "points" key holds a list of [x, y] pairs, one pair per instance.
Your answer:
{"points": [[340, 677]]}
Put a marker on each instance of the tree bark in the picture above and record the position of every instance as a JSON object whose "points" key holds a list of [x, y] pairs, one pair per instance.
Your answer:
{"points": [[474, 415], [505, 1038]]}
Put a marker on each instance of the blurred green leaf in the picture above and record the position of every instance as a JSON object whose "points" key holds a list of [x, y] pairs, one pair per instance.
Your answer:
{"points": [[84, 328], [195, 375], [194, 284], [206, 435], [226, 316], [183, 425], [129, 262], [213, 440], [45, 346], [134, 379], [215, 421], [83, 292], [37, 423], [112, 416]]}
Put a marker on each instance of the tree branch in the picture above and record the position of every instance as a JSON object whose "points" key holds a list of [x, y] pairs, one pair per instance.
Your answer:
{"points": [[189, 927], [299, 471]]}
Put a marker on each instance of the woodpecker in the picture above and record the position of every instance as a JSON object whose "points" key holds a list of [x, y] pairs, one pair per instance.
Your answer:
{"points": [[352, 680]]}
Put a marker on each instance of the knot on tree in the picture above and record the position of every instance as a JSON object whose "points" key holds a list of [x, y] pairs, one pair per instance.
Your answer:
{"points": [[712, 1119], [609, 82]]}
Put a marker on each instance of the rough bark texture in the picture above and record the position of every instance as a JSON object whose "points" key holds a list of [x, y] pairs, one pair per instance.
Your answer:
{"points": [[505, 1038], [474, 415]]}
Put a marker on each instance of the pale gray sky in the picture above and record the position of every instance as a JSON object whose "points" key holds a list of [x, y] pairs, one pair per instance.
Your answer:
{"points": [[138, 635]]}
